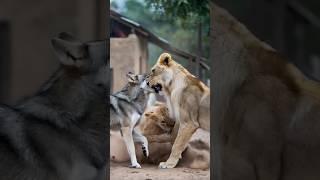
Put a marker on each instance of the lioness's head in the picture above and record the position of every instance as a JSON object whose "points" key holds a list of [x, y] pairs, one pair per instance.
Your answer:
{"points": [[162, 72]]}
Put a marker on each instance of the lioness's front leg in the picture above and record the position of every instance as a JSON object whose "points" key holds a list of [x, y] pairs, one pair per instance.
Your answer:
{"points": [[184, 134], [187, 125], [186, 115]]}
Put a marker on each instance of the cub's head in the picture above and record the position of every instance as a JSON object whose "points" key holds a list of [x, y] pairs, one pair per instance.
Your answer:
{"points": [[162, 72], [159, 116]]}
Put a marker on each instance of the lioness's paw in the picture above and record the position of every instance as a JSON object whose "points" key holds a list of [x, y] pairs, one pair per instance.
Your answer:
{"points": [[166, 165]]}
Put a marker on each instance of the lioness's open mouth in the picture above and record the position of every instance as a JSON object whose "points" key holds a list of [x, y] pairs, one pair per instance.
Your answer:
{"points": [[157, 88]]}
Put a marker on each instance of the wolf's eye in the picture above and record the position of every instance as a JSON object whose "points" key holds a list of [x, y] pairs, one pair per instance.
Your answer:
{"points": [[153, 70], [100, 85]]}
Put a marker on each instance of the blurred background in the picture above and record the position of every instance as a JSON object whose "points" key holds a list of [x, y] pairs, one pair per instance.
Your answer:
{"points": [[290, 26], [143, 29], [26, 28]]}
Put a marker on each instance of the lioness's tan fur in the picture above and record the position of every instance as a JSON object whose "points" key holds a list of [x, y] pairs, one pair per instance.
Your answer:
{"points": [[266, 112], [187, 98]]}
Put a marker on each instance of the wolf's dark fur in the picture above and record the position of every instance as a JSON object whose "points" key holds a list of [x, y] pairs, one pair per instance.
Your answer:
{"points": [[60, 133]]}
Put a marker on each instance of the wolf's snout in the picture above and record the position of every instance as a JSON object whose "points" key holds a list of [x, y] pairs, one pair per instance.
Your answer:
{"points": [[148, 83]]}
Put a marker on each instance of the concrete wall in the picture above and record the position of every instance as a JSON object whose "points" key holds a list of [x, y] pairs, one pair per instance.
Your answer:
{"points": [[32, 24], [127, 55]]}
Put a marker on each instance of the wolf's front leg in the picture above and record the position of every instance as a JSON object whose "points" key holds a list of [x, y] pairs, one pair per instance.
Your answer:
{"points": [[138, 137], [128, 139]]}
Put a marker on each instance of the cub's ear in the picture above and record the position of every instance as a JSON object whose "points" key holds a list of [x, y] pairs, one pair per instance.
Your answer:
{"points": [[132, 78], [70, 51], [165, 59], [164, 111]]}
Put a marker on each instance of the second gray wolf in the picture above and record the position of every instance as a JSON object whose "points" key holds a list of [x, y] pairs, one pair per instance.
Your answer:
{"points": [[59, 133]]}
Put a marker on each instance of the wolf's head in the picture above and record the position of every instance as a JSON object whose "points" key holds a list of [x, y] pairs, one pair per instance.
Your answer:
{"points": [[84, 61], [137, 84], [82, 78]]}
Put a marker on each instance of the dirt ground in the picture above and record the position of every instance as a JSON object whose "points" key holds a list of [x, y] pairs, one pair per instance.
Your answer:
{"points": [[120, 171]]}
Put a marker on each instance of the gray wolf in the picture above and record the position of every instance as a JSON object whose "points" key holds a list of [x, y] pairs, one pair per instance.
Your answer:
{"points": [[187, 98], [59, 133], [126, 108]]}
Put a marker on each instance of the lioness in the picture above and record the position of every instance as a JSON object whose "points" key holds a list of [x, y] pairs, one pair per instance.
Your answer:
{"points": [[266, 112], [187, 98]]}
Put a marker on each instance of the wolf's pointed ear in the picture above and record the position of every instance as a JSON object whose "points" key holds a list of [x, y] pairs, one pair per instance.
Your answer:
{"points": [[132, 78], [165, 59], [70, 52], [68, 37]]}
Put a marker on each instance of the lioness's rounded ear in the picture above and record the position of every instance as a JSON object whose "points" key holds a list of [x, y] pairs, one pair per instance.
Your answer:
{"points": [[165, 59]]}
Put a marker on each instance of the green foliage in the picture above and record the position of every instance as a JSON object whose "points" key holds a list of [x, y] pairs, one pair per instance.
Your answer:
{"points": [[184, 9], [178, 27]]}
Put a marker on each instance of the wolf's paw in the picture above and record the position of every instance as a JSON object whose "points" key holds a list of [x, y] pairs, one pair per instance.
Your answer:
{"points": [[137, 166], [145, 151]]}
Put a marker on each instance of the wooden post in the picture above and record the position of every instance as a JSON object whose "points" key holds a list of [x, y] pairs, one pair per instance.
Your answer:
{"points": [[199, 49], [300, 59], [279, 13], [5, 61], [111, 80], [190, 65], [101, 20]]}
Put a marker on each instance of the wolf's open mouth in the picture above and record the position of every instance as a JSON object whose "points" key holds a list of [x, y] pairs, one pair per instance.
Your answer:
{"points": [[157, 88]]}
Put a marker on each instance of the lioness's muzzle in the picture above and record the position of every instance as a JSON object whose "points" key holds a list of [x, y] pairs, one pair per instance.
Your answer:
{"points": [[157, 87]]}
